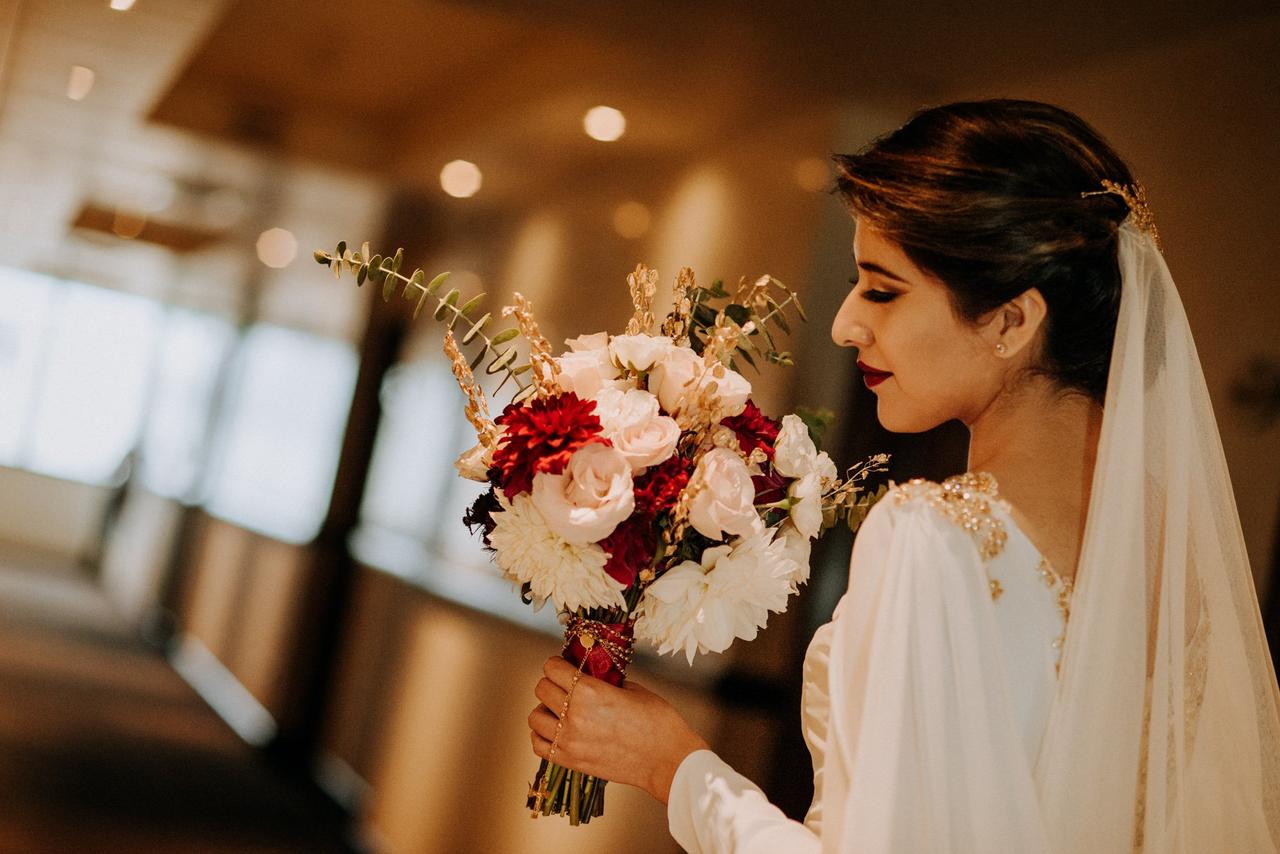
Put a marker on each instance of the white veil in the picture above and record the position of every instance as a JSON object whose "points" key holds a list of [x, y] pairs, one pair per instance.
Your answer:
{"points": [[1165, 733]]}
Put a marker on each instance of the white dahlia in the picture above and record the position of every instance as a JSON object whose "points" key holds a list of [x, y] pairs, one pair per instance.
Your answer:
{"points": [[703, 607], [571, 576]]}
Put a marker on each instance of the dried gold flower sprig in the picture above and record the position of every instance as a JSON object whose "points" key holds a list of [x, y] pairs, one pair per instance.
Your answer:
{"points": [[676, 326], [546, 371], [643, 284], [499, 349], [477, 409]]}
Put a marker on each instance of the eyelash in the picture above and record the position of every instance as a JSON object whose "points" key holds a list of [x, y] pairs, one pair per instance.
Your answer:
{"points": [[875, 296]]}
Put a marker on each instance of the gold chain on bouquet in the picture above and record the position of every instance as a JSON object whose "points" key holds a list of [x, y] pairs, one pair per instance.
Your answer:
{"points": [[588, 633]]}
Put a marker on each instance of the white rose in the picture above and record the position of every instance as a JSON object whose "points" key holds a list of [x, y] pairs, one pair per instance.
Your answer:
{"points": [[583, 343], [806, 509], [588, 500], [673, 375], [796, 547], [648, 443], [620, 408], [473, 463], [794, 453], [585, 372], [639, 352], [731, 387], [723, 496]]}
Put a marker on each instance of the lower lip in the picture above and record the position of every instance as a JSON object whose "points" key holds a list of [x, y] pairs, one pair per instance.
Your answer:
{"points": [[873, 380]]}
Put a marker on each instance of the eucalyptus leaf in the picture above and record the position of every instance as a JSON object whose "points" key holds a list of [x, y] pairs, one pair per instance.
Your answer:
{"points": [[422, 300], [388, 287], [471, 304], [504, 336], [362, 274], [434, 284], [476, 328], [502, 360]]}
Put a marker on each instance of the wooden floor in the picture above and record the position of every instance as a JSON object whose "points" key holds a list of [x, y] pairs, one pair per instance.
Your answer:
{"points": [[104, 748]]}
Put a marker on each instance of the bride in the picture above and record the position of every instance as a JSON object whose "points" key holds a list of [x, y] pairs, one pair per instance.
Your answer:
{"points": [[1061, 650]]}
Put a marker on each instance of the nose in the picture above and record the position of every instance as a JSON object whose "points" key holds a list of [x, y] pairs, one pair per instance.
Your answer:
{"points": [[847, 330]]}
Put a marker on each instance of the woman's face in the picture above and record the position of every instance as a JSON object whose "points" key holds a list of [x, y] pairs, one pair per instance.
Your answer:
{"points": [[925, 363]]}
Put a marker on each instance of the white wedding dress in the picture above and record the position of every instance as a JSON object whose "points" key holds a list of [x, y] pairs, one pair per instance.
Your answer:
{"points": [[942, 658]]}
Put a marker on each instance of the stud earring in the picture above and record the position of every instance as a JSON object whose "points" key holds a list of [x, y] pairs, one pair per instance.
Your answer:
{"points": [[1001, 349]]}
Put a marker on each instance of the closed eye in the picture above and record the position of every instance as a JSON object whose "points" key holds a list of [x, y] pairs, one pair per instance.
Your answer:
{"points": [[878, 296]]}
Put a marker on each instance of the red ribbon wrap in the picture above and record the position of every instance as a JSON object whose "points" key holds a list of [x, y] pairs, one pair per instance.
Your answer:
{"points": [[599, 663]]}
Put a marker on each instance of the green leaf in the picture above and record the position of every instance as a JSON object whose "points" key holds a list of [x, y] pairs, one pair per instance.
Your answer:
{"points": [[504, 336], [781, 320], [476, 328], [422, 300], [484, 351], [442, 308], [739, 314], [418, 277], [321, 256], [451, 300], [471, 304], [362, 274], [747, 357], [799, 308], [434, 284], [375, 263], [717, 289], [502, 360], [704, 315], [524, 394], [398, 260], [388, 287], [342, 248], [522, 369]]}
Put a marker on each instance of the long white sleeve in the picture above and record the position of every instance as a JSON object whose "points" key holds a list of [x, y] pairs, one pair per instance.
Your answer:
{"points": [[713, 809]]}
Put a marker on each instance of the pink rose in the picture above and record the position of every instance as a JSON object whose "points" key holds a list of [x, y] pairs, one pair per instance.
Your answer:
{"points": [[589, 498], [631, 421], [723, 496], [586, 368], [679, 378]]}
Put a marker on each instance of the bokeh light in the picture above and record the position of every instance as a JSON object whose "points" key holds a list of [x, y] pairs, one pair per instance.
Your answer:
{"points": [[604, 123], [277, 247], [460, 179], [631, 220]]}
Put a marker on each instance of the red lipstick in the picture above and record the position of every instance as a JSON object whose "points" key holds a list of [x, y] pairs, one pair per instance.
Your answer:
{"points": [[872, 376]]}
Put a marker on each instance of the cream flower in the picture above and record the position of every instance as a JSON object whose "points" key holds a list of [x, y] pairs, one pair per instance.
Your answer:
{"points": [[806, 506], [675, 374], [797, 548], [588, 500], [703, 607], [473, 463], [587, 368], [795, 454], [571, 576], [732, 389], [639, 352], [631, 421], [723, 496]]}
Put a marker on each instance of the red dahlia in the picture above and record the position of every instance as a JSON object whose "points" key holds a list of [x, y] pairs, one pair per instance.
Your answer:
{"points": [[630, 548], [540, 436], [658, 489], [754, 429]]}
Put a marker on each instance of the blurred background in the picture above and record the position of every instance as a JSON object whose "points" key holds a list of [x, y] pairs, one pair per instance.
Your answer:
{"points": [[238, 610]]}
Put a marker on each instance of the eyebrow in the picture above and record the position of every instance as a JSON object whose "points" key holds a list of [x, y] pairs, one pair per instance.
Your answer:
{"points": [[872, 267]]}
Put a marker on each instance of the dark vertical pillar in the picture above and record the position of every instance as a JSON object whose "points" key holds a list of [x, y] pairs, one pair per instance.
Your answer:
{"points": [[330, 574]]}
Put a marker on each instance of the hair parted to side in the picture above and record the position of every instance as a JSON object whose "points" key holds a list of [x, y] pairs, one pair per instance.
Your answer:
{"points": [[985, 195]]}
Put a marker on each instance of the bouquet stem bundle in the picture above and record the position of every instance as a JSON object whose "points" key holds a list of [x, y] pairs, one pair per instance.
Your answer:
{"points": [[600, 645]]}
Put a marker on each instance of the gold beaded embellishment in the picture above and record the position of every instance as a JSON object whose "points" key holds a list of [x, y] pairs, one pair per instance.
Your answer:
{"points": [[1064, 586], [1135, 196], [964, 499]]}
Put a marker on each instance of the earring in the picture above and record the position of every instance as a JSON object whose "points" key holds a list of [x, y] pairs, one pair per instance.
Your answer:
{"points": [[1001, 349]]}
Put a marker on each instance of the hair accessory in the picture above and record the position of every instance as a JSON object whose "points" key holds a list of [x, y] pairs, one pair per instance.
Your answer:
{"points": [[1135, 196]]}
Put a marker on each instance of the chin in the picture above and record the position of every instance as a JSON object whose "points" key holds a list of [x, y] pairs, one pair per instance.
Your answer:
{"points": [[899, 419]]}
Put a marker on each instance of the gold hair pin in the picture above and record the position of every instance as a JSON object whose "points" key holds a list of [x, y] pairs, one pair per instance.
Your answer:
{"points": [[1135, 196]]}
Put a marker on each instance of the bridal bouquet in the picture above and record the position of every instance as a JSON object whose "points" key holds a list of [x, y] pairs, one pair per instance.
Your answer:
{"points": [[632, 481]]}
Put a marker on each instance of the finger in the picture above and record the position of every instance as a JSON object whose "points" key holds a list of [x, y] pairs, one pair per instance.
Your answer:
{"points": [[542, 722], [559, 671], [541, 747], [551, 695]]}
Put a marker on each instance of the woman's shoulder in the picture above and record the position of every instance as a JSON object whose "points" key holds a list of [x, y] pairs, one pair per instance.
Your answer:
{"points": [[963, 506]]}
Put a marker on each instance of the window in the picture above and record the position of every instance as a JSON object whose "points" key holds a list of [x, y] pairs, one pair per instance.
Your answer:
{"points": [[281, 433]]}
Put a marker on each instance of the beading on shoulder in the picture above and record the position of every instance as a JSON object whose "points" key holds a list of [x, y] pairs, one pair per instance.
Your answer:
{"points": [[966, 500]]}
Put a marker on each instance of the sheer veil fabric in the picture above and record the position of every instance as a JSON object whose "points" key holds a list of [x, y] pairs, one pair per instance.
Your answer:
{"points": [[1164, 734]]}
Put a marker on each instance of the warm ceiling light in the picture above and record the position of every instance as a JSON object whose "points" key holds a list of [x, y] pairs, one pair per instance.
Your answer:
{"points": [[79, 83], [604, 123], [128, 224], [813, 174], [277, 247], [122, 5], [460, 179], [631, 220]]}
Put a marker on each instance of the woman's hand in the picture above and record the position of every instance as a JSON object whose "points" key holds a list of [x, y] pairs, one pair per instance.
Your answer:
{"points": [[627, 735]]}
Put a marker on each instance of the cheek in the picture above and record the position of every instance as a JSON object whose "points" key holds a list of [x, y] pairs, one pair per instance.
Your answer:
{"points": [[934, 364]]}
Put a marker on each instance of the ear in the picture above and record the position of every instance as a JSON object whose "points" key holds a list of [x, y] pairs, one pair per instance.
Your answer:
{"points": [[1012, 327]]}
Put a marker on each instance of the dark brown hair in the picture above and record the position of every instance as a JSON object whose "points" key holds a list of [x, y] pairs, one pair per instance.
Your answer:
{"points": [[985, 195]]}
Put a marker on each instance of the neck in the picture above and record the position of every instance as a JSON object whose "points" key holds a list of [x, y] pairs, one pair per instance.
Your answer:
{"points": [[1040, 445]]}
